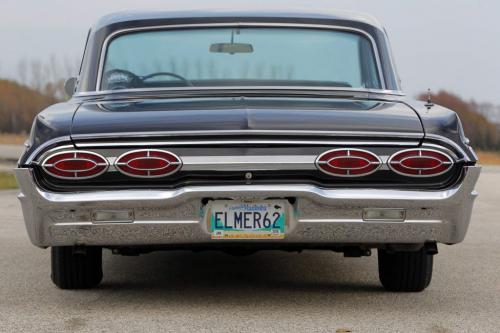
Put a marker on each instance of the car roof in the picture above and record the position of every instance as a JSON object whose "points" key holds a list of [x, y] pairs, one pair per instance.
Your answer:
{"points": [[308, 13]]}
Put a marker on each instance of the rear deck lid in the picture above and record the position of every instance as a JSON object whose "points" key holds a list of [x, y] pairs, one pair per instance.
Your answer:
{"points": [[241, 116]]}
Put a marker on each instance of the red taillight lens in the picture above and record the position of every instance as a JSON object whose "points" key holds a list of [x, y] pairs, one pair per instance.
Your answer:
{"points": [[75, 165], [420, 163], [148, 163], [348, 162]]}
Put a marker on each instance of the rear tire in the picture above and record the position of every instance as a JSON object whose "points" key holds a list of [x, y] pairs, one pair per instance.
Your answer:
{"points": [[405, 271], [76, 269]]}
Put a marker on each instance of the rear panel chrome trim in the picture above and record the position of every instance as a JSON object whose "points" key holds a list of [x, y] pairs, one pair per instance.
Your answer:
{"points": [[448, 142], [47, 144], [254, 162], [248, 163], [93, 144], [362, 93], [250, 132]]}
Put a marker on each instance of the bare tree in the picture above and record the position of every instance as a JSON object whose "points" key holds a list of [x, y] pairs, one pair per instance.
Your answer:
{"points": [[22, 72], [36, 75], [47, 77]]}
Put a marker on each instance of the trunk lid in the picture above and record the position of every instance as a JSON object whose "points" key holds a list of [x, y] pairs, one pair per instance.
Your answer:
{"points": [[242, 116]]}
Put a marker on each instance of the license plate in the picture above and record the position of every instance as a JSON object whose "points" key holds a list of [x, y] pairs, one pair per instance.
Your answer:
{"points": [[230, 219]]}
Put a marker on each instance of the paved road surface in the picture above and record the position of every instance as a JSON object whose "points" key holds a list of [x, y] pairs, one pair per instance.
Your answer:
{"points": [[10, 152], [273, 291]]}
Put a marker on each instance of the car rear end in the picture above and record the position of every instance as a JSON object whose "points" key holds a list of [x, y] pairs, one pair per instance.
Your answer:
{"points": [[248, 138], [136, 193]]}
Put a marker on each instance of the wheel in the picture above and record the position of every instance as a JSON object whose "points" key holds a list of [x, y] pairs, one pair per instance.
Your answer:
{"points": [[405, 271], [76, 268]]}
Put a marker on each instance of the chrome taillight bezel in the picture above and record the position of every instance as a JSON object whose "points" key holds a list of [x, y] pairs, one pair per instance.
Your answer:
{"points": [[117, 164], [376, 161], [103, 162], [450, 162]]}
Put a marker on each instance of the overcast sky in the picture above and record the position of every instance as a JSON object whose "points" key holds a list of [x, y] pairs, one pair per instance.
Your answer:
{"points": [[451, 44]]}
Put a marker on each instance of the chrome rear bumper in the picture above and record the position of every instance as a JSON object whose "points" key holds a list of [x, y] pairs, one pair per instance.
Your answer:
{"points": [[322, 216]]}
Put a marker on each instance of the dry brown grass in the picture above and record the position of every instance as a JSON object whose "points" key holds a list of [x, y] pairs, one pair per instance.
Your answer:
{"points": [[489, 157], [12, 139], [7, 181]]}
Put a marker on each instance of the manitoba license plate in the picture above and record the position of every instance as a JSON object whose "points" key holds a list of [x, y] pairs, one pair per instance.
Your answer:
{"points": [[230, 219]]}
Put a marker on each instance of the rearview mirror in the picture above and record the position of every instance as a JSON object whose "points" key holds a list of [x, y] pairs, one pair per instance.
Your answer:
{"points": [[69, 86], [231, 48]]}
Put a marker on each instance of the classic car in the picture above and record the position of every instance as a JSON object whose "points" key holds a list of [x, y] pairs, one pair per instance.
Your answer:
{"points": [[241, 132]]}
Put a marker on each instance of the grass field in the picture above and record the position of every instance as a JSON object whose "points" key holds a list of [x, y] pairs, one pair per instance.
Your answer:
{"points": [[7, 181]]}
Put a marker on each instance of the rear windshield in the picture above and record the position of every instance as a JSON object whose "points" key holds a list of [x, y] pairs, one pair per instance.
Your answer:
{"points": [[208, 57]]}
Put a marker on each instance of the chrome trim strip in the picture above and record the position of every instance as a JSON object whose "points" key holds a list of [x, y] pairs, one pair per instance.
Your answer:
{"points": [[48, 143], [413, 143], [361, 221], [448, 142], [242, 132], [247, 142], [364, 91], [248, 163], [238, 24], [240, 162], [453, 154], [252, 162]]}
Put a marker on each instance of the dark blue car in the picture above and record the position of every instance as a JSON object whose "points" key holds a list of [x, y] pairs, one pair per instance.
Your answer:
{"points": [[240, 132]]}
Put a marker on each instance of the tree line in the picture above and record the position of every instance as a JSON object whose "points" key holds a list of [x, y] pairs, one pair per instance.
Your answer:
{"points": [[482, 133], [38, 85], [19, 105]]}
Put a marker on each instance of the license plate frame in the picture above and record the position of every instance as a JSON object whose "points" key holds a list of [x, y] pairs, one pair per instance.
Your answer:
{"points": [[248, 220]]}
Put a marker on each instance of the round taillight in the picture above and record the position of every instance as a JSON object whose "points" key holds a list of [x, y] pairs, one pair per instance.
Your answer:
{"points": [[348, 162], [148, 163], [75, 165], [420, 163]]}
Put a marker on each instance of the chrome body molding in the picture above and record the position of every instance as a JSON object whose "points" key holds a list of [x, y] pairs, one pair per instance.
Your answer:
{"points": [[362, 93], [254, 163], [110, 144], [243, 162], [446, 141], [240, 25], [412, 142], [40, 149], [249, 132], [248, 163], [323, 216]]}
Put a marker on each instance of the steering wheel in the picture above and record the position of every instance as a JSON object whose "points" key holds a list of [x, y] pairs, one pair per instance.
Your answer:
{"points": [[127, 79], [177, 76]]}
